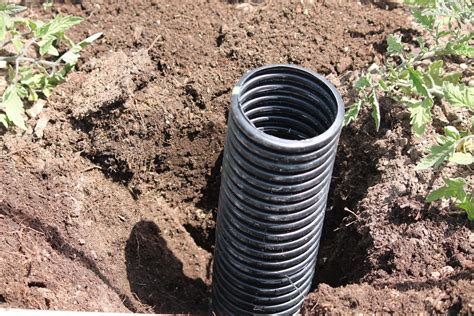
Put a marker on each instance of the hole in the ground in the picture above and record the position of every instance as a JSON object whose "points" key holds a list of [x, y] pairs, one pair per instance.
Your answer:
{"points": [[204, 238], [3, 300], [40, 284], [342, 257], [113, 167], [342, 253], [210, 193]]}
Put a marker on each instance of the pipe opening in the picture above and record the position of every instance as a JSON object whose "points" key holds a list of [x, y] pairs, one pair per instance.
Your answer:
{"points": [[287, 103]]}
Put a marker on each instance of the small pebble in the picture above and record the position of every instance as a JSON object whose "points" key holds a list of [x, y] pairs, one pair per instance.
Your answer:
{"points": [[447, 270], [435, 274], [82, 241]]}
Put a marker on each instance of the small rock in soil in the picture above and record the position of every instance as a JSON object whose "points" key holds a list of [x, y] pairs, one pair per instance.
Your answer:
{"points": [[344, 64], [36, 109], [41, 125], [447, 270]]}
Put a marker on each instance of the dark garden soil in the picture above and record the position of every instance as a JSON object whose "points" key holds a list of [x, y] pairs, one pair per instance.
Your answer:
{"points": [[114, 208]]}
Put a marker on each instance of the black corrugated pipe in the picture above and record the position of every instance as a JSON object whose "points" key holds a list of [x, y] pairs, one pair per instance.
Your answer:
{"points": [[282, 137]]}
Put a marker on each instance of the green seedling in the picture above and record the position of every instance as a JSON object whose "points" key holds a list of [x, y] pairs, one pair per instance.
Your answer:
{"points": [[36, 56], [417, 79]]}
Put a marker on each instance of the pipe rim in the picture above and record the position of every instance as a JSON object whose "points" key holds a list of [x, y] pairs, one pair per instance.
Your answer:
{"points": [[281, 143]]}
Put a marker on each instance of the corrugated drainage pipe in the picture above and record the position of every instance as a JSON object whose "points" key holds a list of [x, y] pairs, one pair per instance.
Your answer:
{"points": [[283, 131]]}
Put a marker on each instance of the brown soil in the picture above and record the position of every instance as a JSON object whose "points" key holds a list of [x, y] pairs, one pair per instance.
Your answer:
{"points": [[113, 209]]}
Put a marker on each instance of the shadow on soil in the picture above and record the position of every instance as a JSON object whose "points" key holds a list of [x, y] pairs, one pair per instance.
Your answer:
{"points": [[59, 244], [156, 276]]}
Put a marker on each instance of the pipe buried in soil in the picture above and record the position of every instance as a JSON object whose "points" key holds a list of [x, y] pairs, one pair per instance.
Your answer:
{"points": [[281, 143]]}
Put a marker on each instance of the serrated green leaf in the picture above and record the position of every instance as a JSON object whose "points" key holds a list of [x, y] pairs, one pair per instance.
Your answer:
{"points": [[462, 158], [452, 132], [45, 44], [21, 91], [374, 103], [438, 154], [394, 43], [32, 80], [452, 77], [420, 114], [18, 44], [72, 55], [4, 120], [427, 21], [13, 106], [463, 49], [363, 82], [452, 188], [417, 80], [11, 9], [57, 26], [435, 77], [459, 95], [435, 69], [352, 113]]}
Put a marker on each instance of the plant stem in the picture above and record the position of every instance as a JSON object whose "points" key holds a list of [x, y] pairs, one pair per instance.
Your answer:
{"points": [[14, 59]]}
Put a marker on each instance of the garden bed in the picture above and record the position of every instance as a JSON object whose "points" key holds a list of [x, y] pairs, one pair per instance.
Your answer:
{"points": [[114, 208]]}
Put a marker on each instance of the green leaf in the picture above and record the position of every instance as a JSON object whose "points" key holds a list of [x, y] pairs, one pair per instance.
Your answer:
{"points": [[395, 46], [363, 82], [18, 44], [468, 206], [52, 51], [422, 3], [420, 114], [72, 55], [383, 85], [45, 44], [32, 80], [452, 132], [11, 9], [463, 49], [453, 188], [89, 40], [4, 120], [427, 21], [57, 26], [452, 77], [3, 26], [438, 153], [462, 158], [352, 113], [417, 80], [375, 109], [459, 95], [34, 25], [435, 69], [13, 106]]}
